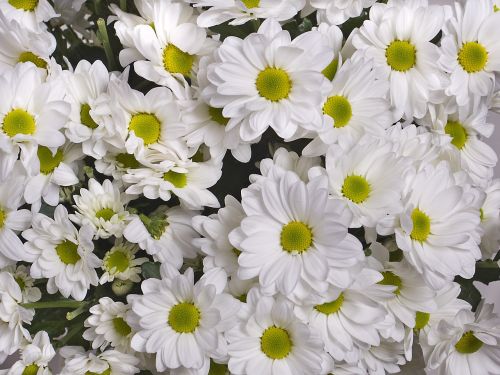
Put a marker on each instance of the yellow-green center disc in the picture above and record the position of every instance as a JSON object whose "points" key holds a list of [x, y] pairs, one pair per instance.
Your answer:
{"points": [[468, 343], [273, 84], [18, 121], [146, 126], [473, 57], [31, 57], [339, 109], [421, 225], [27, 5], [331, 307], [184, 318], [177, 61], [356, 188], [276, 343], [401, 55], [68, 252], [296, 236]]}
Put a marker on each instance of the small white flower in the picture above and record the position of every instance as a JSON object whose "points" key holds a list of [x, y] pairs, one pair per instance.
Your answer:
{"points": [[120, 263], [490, 220], [22, 276], [35, 357], [31, 14], [109, 362], [337, 12]]}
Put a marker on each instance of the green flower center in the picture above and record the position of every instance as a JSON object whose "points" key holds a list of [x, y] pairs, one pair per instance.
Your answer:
{"points": [[473, 57], [179, 180], [421, 225], [121, 327], [217, 369], [177, 61], [468, 343], [3, 217], [28, 5], [184, 318], [421, 319], [30, 370], [330, 71], [390, 278], [68, 252], [457, 133], [296, 236], [338, 108], [127, 161], [18, 121], [481, 215], [217, 116], [155, 225], [356, 188], [331, 307], [251, 3], [31, 57], [105, 213], [118, 260], [274, 84], [105, 372], [401, 55], [275, 343], [85, 117], [145, 126], [48, 161], [495, 8]]}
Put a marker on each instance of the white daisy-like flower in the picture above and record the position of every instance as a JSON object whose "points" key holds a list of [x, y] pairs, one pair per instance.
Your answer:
{"points": [[12, 316], [166, 233], [490, 220], [107, 325], [333, 38], [12, 220], [385, 358], [356, 104], [359, 177], [239, 12], [29, 13], [73, 13], [272, 340], [438, 229], [470, 53], [403, 50], [35, 357], [85, 87], [116, 162], [467, 344], [120, 263], [101, 206], [173, 47], [20, 45], [62, 254], [336, 12], [50, 170], [267, 80], [22, 276], [294, 238], [109, 362], [31, 114], [181, 321]]}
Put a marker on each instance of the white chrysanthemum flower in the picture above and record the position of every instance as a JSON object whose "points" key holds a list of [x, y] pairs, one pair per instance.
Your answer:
{"points": [[269, 80], [12, 316], [48, 171], [383, 359], [294, 238], [490, 220], [359, 177], [108, 325], [116, 162], [109, 362], [333, 38], [181, 321], [356, 104], [29, 13], [120, 263], [21, 45], [35, 357], [403, 50], [336, 12], [466, 344], [102, 208], [469, 50], [166, 233], [31, 114], [62, 254], [12, 220], [273, 341], [85, 87], [74, 13], [438, 229], [22, 276]]}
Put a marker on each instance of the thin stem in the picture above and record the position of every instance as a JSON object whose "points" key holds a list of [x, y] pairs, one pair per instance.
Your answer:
{"points": [[73, 314], [63, 304], [103, 35]]}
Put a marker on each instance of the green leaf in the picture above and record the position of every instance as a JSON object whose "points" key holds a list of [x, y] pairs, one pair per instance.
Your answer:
{"points": [[469, 292], [151, 270]]}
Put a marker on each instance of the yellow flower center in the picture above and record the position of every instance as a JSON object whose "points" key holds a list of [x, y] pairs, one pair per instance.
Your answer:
{"points": [[468, 343], [18, 121], [356, 188], [495, 8], [30, 370], [85, 117], [296, 237], [27, 5], [421, 225], [401, 55], [184, 317], [31, 57], [473, 57], [121, 327], [146, 126], [273, 84], [117, 260], [48, 161], [457, 133], [251, 3], [105, 213], [331, 307], [330, 71], [3, 218], [68, 252], [179, 180], [390, 278], [338, 108], [127, 161], [421, 319], [105, 372], [275, 342], [177, 61], [217, 116]]}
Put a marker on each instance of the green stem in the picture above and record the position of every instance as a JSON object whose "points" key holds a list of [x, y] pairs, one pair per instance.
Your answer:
{"points": [[62, 304], [73, 314], [103, 35], [123, 5]]}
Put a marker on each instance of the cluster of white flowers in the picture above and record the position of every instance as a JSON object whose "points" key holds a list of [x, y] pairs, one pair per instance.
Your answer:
{"points": [[352, 241]]}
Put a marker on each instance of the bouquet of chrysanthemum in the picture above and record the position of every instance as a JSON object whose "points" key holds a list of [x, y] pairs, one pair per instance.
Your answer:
{"points": [[248, 187]]}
